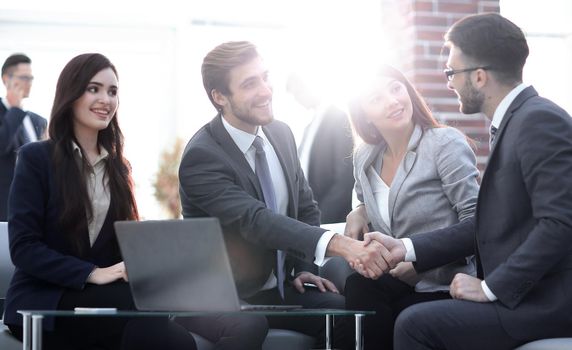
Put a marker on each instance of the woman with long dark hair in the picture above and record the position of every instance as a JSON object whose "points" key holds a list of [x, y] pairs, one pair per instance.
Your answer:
{"points": [[412, 175], [66, 194]]}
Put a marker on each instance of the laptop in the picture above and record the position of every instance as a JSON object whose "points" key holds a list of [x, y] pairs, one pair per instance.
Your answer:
{"points": [[180, 265]]}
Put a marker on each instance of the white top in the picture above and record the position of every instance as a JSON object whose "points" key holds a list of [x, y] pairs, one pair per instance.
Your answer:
{"points": [[381, 194], [97, 191]]}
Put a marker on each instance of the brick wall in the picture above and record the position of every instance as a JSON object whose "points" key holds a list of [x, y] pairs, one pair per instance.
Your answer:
{"points": [[417, 28]]}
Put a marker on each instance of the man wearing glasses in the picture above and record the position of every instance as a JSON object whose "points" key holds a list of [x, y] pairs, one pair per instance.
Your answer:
{"points": [[17, 126], [521, 234]]}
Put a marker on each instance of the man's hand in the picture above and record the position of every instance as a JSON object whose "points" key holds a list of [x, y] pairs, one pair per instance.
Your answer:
{"points": [[405, 272], [365, 259], [356, 223], [465, 287], [394, 250], [321, 283], [107, 275]]}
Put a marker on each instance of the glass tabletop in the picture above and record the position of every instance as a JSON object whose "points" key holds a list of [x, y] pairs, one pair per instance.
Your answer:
{"points": [[90, 312]]}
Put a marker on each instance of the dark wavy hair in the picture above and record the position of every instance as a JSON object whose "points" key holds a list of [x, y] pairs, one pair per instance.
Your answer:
{"points": [[422, 115], [76, 209]]}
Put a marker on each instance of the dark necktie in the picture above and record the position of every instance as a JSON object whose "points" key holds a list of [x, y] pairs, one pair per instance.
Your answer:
{"points": [[493, 132], [263, 173]]}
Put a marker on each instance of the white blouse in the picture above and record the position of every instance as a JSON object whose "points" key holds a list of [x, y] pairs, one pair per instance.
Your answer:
{"points": [[381, 194]]}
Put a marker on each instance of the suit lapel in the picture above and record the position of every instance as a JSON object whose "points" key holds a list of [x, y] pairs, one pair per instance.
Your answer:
{"points": [[373, 211], [226, 142], [404, 168], [515, 105]]}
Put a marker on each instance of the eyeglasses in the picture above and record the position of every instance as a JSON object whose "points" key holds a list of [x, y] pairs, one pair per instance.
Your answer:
{"points": [[24, 78], [449, 73]]}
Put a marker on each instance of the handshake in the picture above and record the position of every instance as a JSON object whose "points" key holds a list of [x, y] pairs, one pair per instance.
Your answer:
{"points": [[375, 255]]}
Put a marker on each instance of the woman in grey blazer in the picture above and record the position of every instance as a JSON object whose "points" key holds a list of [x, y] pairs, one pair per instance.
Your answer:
{"points": [[412, 175]]}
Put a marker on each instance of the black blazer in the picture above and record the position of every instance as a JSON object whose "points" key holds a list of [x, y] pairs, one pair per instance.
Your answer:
{"points": [[45, 263], [10, 141], [330, 171], [217, 181], [522, 231]]}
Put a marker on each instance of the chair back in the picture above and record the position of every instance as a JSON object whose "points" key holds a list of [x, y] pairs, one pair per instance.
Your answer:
{"points": [[6, 266]]}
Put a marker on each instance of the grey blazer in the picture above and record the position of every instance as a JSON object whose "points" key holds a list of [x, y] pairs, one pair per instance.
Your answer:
{"points": [[435, 186]]}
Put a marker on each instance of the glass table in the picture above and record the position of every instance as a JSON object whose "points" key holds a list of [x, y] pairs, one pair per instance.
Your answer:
{"points": [[32, 325]]}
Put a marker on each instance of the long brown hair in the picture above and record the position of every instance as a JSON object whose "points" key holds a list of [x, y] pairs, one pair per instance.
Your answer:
{"points": [[76, 207], [422, 115]]}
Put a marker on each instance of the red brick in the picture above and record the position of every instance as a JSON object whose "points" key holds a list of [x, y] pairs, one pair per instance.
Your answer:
{"points": [[423, 6], [431, 35], [437, 49], [449, 108], [451, 7], [440, 93], [422, 63], [419, 50], [423, 20], [431, 77], [475, 123]]}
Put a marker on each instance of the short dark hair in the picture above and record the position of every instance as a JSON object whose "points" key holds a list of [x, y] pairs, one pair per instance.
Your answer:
{"points": [[13, 61], [491, 40], [422, 115], [220, 61]]}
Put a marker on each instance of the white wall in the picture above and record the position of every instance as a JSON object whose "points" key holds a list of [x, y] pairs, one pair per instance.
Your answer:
{"points": [[548, 27], [158, 48]]}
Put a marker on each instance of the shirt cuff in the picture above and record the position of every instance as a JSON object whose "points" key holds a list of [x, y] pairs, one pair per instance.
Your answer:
{"points": [[320, 253], [409, 250], [490, 295]]}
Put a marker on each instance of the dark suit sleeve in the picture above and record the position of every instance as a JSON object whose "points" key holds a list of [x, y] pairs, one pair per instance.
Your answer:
{"points": [[544, 151], [40, 124], [443, 246], [334, 171], [29, 247], [9, 126], [209, 182], [308, 211]]}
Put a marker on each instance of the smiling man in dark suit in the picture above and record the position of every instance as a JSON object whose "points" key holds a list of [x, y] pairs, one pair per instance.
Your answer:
{"points": [[243, 169], [522, 231], [17, 126]]}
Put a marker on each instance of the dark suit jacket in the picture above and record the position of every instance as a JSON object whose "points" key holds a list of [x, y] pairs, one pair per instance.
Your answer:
{"points": [[217, 181], [330, 171], [10, 140], [45, 262], [522, 231]]}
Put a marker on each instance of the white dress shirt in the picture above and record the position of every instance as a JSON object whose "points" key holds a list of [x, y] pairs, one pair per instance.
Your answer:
{"points": [[97, 191]]}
